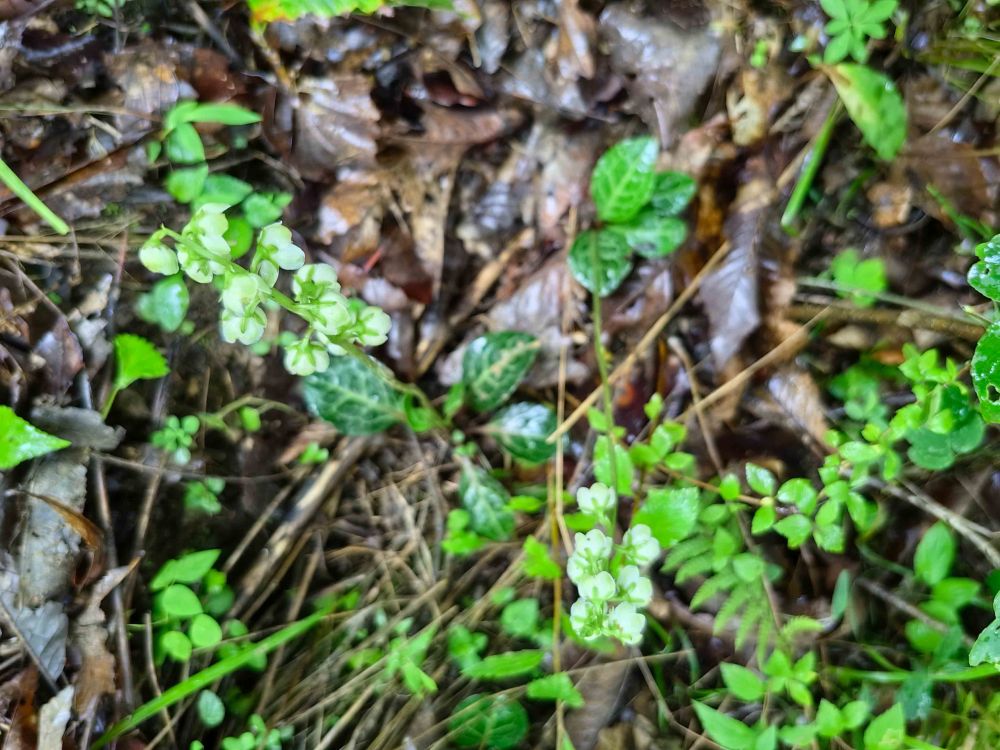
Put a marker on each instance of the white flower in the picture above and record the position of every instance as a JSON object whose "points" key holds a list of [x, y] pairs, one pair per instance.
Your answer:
{"points": [[275, 250], [240, 292], [595, 544], [625, 624], [304, 357], [196, 267], [596, 500], [207, 227], [639, 546], [372, 326], [158, 258], [314, 282], [332, 315], [634, 587], [245, 327], [587, 618], [598, 588]]}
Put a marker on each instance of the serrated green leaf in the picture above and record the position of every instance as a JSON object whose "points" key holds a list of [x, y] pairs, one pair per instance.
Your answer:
{"points": [[874, 103], [670, 513], [935, 554], [728, 732], [506, 665], [21, 440], [486, 500], [353, 397], [672, 191], [555, 687], [624, 178], [494, 365], [496, 722], [136, 359], [464, 646], [652, 235], [225, 189], [522, 428], [986, 373], [600, 260]]}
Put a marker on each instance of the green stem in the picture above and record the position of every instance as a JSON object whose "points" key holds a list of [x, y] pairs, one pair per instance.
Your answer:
{"points": [[106, 409], [982, 672], [204, 678], [609, 416], [810, 168], [32, 201]]}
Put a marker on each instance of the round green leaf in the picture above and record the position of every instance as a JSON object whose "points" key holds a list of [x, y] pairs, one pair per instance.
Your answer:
{"points": [[522, 429], [176, 645], [211, 711], [186, 184], [494, 364], [623, 178], [600, 261], [179, 601], [166, 303], [935, 554], [352, 397], [795, 529], [672, 191], [204, 631], [184, 145], [654, 236], [488, 721]]}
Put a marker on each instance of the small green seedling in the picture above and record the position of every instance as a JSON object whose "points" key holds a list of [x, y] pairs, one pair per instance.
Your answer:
{"points": [[852, 24], [135, 359], [858, 279], [176, 437]]}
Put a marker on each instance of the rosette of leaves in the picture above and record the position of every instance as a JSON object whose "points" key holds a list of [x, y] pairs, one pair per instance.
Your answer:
{"points": [[639, 209]]}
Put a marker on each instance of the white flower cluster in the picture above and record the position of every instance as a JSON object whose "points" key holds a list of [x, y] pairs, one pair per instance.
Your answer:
{"points": [[203, 254], [610, 577]]}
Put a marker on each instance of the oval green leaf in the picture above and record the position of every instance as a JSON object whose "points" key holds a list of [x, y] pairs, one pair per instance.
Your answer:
{"points": [[521, 429], [485, 499], [600, 261], [494, 365], [353, 397], [623, 178], [874, 103], [496, 722]]}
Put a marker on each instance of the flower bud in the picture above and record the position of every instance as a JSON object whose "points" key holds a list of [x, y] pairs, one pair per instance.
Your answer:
{"points": [[158, 258]]}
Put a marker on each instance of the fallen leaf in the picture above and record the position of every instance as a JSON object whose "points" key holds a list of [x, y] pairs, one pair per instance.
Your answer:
{"points": [[795, 394], [53, 718], [335, 124]]}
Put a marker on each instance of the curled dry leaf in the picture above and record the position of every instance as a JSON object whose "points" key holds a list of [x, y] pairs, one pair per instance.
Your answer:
{"points": [[793, 393], [576, 36], [146, 76]]}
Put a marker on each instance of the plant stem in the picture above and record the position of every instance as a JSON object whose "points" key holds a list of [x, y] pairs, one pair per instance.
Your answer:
{"points": [[810, 168], [32, 201], [982, 672]]}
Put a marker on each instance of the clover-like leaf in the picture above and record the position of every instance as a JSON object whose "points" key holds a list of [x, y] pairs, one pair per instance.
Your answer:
{"points": [[623, 179], [486, 501], [522, 429], [353, 397], [600, 260], [21, 440], [493, 366]]}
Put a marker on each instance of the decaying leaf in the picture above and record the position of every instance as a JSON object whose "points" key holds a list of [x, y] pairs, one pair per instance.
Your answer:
{"points": [[53, 718]]}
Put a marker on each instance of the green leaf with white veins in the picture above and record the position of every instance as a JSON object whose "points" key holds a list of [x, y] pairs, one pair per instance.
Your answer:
{"points": [[353, 398], [486, 500], [522, 429], [494, 365], [21, 440], [654, 236], [986, 373], [874, 103], [987, 646], [600, 260], [488, 722], [624, 178], [672, 191]]}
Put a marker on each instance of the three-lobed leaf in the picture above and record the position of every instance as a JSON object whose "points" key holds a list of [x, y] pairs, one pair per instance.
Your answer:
{"points": [[494, 364], [600, 260], [20, 440], [538, 563], [353, 397], [624, 178]]}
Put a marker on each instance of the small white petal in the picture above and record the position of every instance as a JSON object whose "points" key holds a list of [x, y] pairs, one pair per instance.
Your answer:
{"points": [[599, 588]]}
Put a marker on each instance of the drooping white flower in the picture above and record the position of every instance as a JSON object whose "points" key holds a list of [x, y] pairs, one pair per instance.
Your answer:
{"points": [[598, 588], [594, 544], [158, 258], [315, 282], [246, 327], [625, 623], [587, 618], [275, 250], [590, 556], [634, 587], [241, 291], [197, 267], [207, 227], [639, 546], [304, 357], [371, 328], [332, 315], [596, 500]]}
